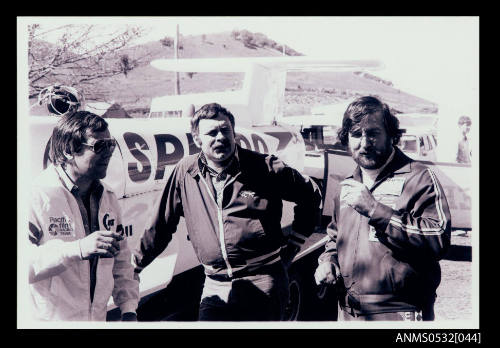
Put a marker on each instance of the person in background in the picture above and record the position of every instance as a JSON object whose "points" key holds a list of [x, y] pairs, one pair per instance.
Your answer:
{"points": [[390, 224], [231, 200], [464, 146], [78, 257]]}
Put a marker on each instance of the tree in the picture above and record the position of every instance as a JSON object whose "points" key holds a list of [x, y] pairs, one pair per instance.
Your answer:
{"points": [[235, 34], [80, 56], [247, 38], [167, 41]]}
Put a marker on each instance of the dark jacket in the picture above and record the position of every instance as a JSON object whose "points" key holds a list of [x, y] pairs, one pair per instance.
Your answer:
{"points": [[390, 262], [245, 232]]}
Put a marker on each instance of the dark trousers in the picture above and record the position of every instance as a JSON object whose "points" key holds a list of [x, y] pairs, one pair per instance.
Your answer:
{"points": [[260, 297], [426, 314]]}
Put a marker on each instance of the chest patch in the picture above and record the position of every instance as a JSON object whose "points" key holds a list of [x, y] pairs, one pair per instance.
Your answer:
{"points": [[372, 236], [391, 186], [108, 222], [61, 226], [246, 194]]}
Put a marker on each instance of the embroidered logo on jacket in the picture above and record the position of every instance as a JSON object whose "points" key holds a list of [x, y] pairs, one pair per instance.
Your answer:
{"points": [[108, 223], [247, 194], [60, 226], [391, 186]]}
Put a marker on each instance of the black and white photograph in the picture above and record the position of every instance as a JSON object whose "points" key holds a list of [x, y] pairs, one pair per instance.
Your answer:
{"points": [[237, 172]]}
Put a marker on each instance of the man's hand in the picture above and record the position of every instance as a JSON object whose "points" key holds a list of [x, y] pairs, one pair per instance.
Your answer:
{"points": [[326, 273], [100, 243], [129, 316], [357, 195]]}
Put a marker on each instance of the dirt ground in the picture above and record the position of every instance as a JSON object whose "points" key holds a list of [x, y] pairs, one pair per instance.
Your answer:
{"points": [[454, 301]]}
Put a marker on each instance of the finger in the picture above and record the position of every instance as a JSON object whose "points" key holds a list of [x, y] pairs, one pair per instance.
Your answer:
{"points": [[104, 253], [107, 246], [111, 234], [115, 244], [317, 278], [117, 236], [351, 183], [105, 233], [105, 239], [112, 246], [114, 251], [321, 276], [344, 193], [330, 278], [348, 182], [317, 274], [347, 189]]}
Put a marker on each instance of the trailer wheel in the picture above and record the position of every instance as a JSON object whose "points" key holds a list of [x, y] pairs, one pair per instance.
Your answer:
{"points": [[295, 299]]}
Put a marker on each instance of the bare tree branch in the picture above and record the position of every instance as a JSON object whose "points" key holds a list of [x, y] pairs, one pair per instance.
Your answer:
{"points": [[80, 55]]}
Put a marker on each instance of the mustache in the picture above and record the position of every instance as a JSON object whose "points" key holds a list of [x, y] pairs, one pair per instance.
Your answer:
{"points": [[370, 151], [221, 143]]}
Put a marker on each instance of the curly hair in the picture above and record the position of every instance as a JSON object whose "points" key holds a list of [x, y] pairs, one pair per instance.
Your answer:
{"points": [[464, 119], [360, 108], [209, 111], [71, 131]]}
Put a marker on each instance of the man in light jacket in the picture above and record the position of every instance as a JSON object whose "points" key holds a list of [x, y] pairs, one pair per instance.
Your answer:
{"points": [[78, 257]]}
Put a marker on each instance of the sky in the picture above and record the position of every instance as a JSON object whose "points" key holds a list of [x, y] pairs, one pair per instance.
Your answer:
{"points": [[436, 58]]}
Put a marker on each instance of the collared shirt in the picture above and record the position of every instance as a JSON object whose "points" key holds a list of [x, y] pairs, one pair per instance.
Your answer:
{"points": [[89, 215], [219, 179], [369, 176]]}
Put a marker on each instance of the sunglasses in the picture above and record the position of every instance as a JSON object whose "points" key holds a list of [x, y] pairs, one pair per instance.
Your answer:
{"points": [[102, 144]]}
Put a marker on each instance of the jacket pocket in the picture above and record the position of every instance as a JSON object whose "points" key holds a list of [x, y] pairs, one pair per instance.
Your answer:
{"points": [[403, 277], [105, 277], [252, 235]]}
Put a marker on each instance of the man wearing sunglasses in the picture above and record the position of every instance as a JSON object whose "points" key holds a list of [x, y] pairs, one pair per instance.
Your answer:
{"points": [[78, 256], [464, 149]]}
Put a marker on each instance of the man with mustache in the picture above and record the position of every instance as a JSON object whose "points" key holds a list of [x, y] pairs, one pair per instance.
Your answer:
{"points": [[231, 199], [77, 254], [390, 224]]}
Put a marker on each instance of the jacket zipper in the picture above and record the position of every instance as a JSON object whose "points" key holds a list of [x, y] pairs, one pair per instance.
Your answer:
{"points": [[221, 224], [90, 301], [222, 244]]}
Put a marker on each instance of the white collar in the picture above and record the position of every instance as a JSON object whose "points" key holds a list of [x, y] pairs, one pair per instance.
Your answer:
{"points": [[373, 173]]}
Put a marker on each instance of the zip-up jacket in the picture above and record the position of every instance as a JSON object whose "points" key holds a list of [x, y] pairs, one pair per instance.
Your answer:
{"points": [[243, 233], [390, 262], [59, 279]]}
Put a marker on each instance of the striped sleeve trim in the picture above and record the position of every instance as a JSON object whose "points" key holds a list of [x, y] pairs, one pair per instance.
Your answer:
{"points": [[435, 231], [297, 238], [35, 234]]}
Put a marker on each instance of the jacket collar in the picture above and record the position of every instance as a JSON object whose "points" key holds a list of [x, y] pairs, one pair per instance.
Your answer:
{"points": [[66, 180], [400, 164], [200, 164], [70, 184]]}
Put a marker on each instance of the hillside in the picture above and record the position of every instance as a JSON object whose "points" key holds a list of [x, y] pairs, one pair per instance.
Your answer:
{"points": [[303, 90]]}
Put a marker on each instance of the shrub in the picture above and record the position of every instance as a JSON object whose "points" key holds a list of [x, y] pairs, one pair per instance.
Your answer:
{"points": [[167, 41]]}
